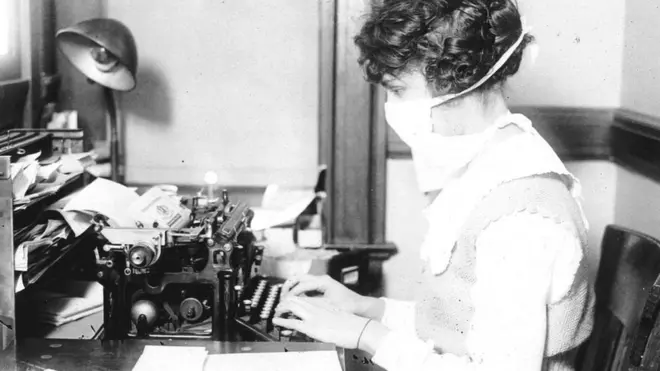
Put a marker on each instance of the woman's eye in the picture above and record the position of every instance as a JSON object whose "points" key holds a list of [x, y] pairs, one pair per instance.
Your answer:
{"points": [[396, 91]]}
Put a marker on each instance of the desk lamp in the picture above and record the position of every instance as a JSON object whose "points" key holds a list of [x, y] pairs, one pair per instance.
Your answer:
{"points": [[104, 51]]}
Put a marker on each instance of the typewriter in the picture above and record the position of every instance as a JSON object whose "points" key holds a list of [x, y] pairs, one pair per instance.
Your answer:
{"points": [[188, 283]]}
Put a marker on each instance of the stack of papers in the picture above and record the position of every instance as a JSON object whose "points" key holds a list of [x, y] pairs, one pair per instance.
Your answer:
{"points": [[69, 301], [38, 245], [33, 178], [34, 241]]}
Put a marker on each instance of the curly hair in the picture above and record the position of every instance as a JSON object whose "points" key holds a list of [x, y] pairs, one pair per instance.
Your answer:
{"points": [[454, 43]]}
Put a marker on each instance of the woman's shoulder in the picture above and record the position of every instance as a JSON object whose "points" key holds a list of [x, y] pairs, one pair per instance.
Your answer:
{"points": [[532, 193], [534, 202]]}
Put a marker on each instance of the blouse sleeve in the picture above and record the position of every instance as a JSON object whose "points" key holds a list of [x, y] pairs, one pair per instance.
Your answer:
{"points": [[525, 261], [399, 315]]}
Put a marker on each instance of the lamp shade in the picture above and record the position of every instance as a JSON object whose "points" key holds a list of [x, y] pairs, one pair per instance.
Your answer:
{"points": [[102, 49]]}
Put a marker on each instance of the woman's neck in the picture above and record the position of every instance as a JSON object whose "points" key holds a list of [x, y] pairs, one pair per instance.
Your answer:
{"points": [[473, 113]]}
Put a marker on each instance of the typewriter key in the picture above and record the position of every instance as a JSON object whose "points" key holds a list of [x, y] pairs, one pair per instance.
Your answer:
{"points": [[247, 305], [285, 334]]}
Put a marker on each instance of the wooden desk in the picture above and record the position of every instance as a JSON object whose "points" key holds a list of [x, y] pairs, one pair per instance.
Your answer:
{"points": [[97, 355]]}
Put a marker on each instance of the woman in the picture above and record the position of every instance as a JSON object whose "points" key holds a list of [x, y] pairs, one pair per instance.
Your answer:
{"points": [[506, 284]]}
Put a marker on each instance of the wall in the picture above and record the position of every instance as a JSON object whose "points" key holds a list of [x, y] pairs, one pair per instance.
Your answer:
{"points": [[229, 86], [638, 203], [580, 54], [641, 70], [638, 198], [599, 180], [76, 93]]}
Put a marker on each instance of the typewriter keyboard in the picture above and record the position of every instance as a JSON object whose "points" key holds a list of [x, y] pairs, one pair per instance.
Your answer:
{"points": [[257, 310]]}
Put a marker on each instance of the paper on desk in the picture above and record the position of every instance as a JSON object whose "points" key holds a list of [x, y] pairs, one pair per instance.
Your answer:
{"points": [[19, 283], [325, 360], [280, 206], [68, 301], [48, 172], [171, 358], [78, 221], [24, 175], [108, 198], [21, 259], [76, 162]]}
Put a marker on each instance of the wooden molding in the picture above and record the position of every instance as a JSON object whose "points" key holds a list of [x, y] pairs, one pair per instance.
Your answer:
{"points": [[635, 142], [627, 138], [574, 133]]}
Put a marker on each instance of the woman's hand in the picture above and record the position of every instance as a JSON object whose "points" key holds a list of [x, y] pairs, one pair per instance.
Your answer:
{"points": [[324, 323], [332, 292]]}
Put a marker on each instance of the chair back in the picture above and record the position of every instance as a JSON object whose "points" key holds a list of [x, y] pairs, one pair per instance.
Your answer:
{"points": [[627, 304]]}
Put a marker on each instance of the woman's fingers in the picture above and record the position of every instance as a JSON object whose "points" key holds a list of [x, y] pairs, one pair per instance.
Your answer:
{"points": [[288, 284], [293, 324], [300, 284], [307, 286], [294, 306]]}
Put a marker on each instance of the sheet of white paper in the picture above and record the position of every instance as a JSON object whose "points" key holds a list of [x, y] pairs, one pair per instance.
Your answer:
{"points": [[158, 206], [325, 360], [20, 183], [171, 358], [19, 283], [100, 170], [77, 221], [30, 158], [47, 172], [15, 168], [280, 206], [21, 259], [76, 162], [107, 198]]}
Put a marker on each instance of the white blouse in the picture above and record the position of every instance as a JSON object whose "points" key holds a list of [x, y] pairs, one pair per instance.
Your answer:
{"points": [[526, 262]]}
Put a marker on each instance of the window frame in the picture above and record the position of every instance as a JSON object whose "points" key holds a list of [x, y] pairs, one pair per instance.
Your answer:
{"points": [[10, 63]]}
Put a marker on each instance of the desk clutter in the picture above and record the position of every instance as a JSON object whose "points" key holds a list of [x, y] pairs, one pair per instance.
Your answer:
{"points": [[154, 264]]}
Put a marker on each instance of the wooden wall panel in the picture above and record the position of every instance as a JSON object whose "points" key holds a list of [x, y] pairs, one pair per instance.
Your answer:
{"points": [[627, 138], [353, 135], [574, 133]]}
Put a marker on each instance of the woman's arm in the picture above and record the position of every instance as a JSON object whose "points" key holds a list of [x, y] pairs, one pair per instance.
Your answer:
{"points": [[398, 315], [516, 277]]}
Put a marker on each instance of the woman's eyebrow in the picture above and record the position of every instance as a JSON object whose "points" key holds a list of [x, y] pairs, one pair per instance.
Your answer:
{"points": [[390, 83]]}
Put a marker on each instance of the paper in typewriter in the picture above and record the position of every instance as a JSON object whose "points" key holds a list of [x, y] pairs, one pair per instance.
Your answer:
{"points": [[321, 360]]}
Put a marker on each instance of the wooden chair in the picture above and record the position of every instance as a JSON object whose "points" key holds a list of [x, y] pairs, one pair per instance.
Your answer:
{"points": [[626, 333]]}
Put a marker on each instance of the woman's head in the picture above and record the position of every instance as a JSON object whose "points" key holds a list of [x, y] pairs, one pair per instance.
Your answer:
{"points": [[444, 46]]}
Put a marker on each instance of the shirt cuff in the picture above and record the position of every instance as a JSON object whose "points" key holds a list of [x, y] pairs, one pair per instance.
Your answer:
{"points": [[399, 315], [402, 351]]}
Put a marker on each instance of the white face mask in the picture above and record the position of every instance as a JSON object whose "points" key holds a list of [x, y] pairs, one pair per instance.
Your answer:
{"points": [[438, 158]]}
